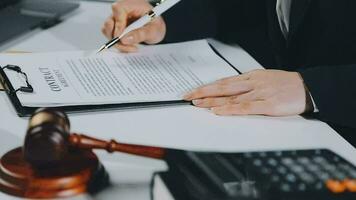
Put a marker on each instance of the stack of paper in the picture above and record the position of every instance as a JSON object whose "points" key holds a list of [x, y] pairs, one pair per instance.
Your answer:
{"points": [[155, 73]]}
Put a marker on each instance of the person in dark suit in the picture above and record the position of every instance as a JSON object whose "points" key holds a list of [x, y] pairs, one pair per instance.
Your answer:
{"points": [[308, 48]]}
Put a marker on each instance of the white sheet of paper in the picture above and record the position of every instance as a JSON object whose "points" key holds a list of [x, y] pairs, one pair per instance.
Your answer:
{"points": [[156, 73]]}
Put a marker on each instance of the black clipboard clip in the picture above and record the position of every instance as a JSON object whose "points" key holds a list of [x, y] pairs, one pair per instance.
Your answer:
{"points": [[28, 88]]}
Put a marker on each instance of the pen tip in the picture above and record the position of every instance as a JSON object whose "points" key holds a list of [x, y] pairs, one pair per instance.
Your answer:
{"points": [[101, 49]]}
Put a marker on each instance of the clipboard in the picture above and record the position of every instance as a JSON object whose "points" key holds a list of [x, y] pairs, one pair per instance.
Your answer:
{"points": [[25, 111], [1, 87]]}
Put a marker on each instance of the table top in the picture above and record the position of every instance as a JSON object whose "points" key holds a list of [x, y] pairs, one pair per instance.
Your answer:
{"points": [[183, 127]]}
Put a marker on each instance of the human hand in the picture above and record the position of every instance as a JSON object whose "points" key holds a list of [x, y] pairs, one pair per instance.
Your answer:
{"points": [[259, 92], [127, 11]]}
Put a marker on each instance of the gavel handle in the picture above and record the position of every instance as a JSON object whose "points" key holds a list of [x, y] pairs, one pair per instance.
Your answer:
{"points": [[86, 142]]}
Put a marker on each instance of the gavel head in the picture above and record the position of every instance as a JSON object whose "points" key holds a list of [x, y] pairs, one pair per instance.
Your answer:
{"points": [[44, 168], [46, 141]]}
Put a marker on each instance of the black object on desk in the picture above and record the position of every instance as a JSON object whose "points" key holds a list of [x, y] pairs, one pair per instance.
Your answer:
{"points": [[276, 175], [20, 16]]}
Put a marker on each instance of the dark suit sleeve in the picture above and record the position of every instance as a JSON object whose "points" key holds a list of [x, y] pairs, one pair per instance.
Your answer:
{"points": [[198, 19], [191, 19], [334, 91]]}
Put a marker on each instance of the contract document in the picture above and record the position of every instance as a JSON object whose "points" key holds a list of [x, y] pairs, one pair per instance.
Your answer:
{"points": [[157, 73]]}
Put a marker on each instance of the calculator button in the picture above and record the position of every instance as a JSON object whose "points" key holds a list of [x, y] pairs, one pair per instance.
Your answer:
{"points": [[291, 178], [335, 186], [336, 159], [282, 170], [275, 178], [306, 177], [302, 187], [278, 153], [257, 162], [345, 167], [323, 176], [297, 169], [350, 171], [313, 167], [262, 154], [339, 175], [285, 187], [329, 167], [265, 170], [237, 160], [272, 162], [350, 185], [304, 160], [352, 174], [247, 155], [320, 160], [319, 186], [287, 161]]}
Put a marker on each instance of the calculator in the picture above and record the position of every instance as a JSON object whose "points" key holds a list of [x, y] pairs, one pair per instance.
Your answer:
{"points": [[284, 175]]}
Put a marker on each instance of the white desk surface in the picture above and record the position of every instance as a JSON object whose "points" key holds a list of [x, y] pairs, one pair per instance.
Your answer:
{"points": [[176, 127]]}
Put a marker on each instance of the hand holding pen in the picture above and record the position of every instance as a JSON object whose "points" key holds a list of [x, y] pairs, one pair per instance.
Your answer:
{"points": [[133, 22]]}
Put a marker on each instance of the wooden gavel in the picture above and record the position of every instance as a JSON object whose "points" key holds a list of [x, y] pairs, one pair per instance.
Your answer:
{"points": [[48, 140], [54, 163]]}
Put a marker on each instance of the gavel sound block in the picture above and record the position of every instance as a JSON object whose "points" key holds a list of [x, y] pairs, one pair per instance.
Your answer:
{"points": [[53, 163]]}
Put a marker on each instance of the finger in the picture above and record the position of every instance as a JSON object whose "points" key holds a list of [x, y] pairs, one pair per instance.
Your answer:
{"points": [[144, 34], [220, 90], [241, 77], [221, 101], [120, 17], [135, 8], [246, 108], [246, 97], [213, 102], [127, 48], [108, 28]]}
